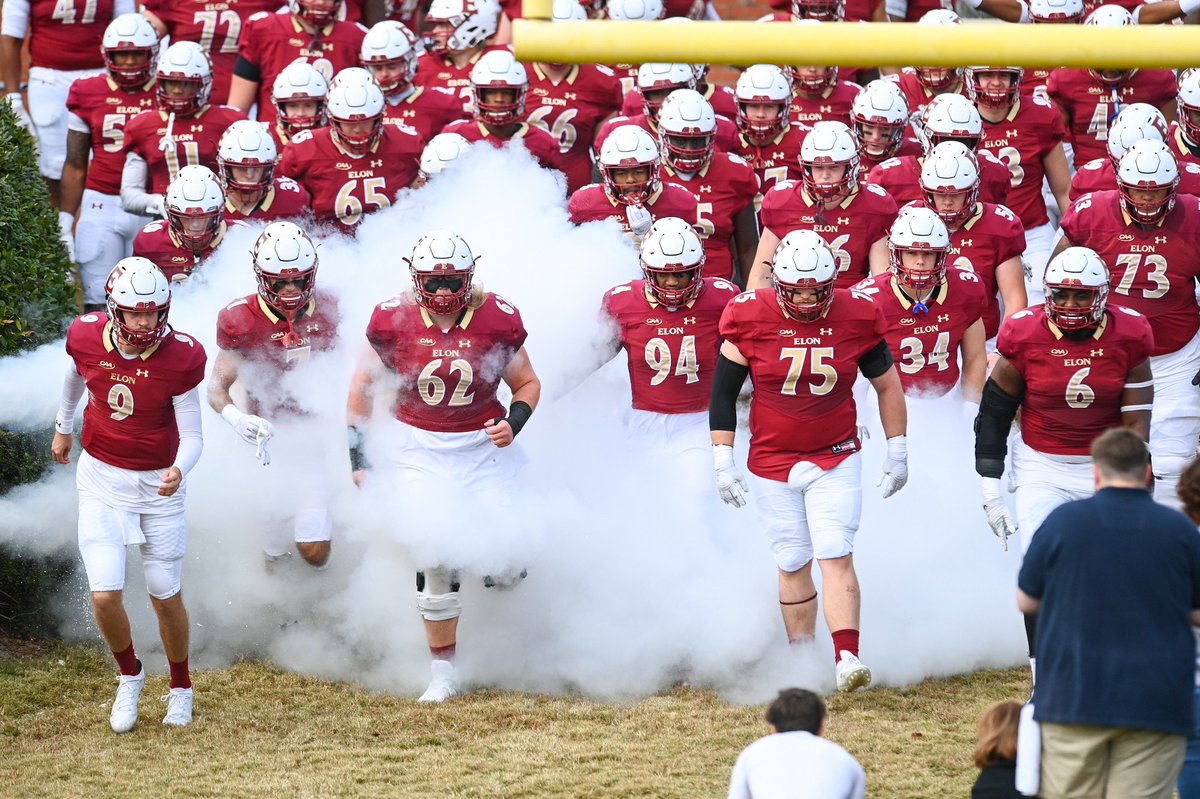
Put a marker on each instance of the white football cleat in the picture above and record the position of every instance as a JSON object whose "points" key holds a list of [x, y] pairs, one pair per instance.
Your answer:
{"points": [[443, 685], [179, 707], [851, 673], [125, 706]]}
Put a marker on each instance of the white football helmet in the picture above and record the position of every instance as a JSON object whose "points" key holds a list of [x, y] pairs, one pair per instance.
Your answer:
{"points": [[441, 260], [951, 169], [635, 10], [453, 26], [990, 96], [130, 33], [137, 284], [1056, 11], [318, 13], [354, 97], [950, 117], [881, 104], [918, 229], [1143, 114], [656, 81], [195, 206], [569, 11], [939, 79], [829, 143], [940, 16], [687, 130], [1123, 135], [442, 151], [300, 82], [1148, 165], [1076, 269], [763, 84], [1188, 103], [390, 49], [246, 144], [499, 70], [184, 63], [1111, 16], [630, 147], [671, 248], [285, 256], [803, 261]]}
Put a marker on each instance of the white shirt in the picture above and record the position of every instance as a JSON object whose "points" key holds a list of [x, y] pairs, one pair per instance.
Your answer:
{"points": [[796, 765]]}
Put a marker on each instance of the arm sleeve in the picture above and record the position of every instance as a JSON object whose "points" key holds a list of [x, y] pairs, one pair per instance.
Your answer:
{"points": [[244, 69], [15, 22], [877, 361], [997, 408], [727, 383], [72, 392], [134, 197], [191, 439]]}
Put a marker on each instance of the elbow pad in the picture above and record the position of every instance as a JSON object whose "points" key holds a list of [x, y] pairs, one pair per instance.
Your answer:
{"points": [[997, 409], [727, 383]]}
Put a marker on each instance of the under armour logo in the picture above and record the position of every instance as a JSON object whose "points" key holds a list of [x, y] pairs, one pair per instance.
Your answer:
{"points": [[779, 155], [705, 189], [1011, 132], [464, 342], [569, 96], [1097, 353], [966, 242], [143, 372], [943, 317], [825, 109], [1160, 239], [827, 331], [97, 205], [689, 320], [843, 220], [375, 164]]}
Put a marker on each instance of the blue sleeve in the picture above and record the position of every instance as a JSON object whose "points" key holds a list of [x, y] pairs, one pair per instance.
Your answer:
{"points": [[1032, 577]]}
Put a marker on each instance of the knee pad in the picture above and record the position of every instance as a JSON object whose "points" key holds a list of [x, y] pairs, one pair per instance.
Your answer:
{"points": [[162, 577], [437, 594], [792, 556]]}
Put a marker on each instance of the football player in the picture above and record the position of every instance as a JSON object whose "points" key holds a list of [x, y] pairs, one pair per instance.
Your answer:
{"points": [[383, 157], [91, 176], [389, 51], [307, 30], [1074, 366], [439, 155], [934, 311], [65, 43], [1148, 235], [853, 218], [141, 437], [263, 338], [194, 228], [301, 97], [450, 427], [1100, 174], [633, 192], [1184, 136], [879, 119], [183, 131], [804, 439], [724, 185], [246, 160], [456, 34], [768, 141]]}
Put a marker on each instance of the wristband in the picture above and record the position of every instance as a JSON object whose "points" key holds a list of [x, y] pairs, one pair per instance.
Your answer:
{"points": [[518, 414], [64, 427], [898, 448], [358, 461], [723, 456], [232, 415]]}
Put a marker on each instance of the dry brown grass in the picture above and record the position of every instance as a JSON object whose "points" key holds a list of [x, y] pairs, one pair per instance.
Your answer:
{"points": [[262, 732]]}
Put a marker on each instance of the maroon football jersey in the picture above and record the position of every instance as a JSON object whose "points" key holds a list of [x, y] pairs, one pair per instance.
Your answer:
{"points": [[592, 204], [427, 110], [1073, 387], [850, 229], [1099, 175], [986, 240], [129, 421], [726, 138], [272, 345], [448, 381], [66, 34], [909, 148], [916, 96], [671, 352], [286, 199], [439, 71], [1032, 128], [272, 41], [106, 108], [901, 176], [217, 27], [722, 188], [570, 111], [925, 344], [343, 187], [157, 242], [776, 161], [1152, 270], [540, 144], [803, 372], [833, 103], [195, 141], [1179, 146], [1033, 82], [1093, 105]]}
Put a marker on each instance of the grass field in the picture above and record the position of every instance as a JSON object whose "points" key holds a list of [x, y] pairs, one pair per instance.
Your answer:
{"points": [[259, 731]]}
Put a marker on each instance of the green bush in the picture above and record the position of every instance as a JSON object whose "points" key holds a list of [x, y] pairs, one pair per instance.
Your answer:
{"points": [[37, 301]]}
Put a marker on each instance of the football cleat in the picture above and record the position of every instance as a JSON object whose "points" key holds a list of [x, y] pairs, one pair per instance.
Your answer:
{"points": [[506, 580], [851, 673], [125, 705], [443, 685], [179, 707]]}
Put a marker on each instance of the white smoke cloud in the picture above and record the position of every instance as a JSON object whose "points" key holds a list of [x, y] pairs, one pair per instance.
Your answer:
{"points": [[638, 576]]}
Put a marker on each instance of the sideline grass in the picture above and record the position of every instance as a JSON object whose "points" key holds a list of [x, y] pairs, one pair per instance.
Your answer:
{"points": [[263, 732]]}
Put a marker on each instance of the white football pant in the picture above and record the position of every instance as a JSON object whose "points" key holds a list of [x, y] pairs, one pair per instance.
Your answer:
{"points": [[1039, 243], [1043, 482], [1175, 418], [48, 90], [103, 235]]}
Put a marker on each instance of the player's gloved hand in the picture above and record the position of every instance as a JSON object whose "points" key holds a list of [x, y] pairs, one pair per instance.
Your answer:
{"points": [[997, 512], [155, 206], [23, 118], [730, 482], [65, 223], [254, 430], [639, 220], [895, 466]]}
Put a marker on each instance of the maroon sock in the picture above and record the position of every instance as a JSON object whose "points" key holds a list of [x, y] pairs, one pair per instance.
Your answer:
{"points": [[443, 652], [844, 640], [179, 674], [127, 662]]}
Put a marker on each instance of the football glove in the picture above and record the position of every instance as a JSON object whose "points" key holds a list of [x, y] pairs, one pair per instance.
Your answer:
{"points": [[254, 430], [895, 466], [730, 482], [639, 220], [65, 223], [997, 512]]}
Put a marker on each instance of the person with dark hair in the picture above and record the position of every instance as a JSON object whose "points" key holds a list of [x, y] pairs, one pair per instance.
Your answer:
{"points": [[996, 753], [1188, 784], [795, 761], [1115, 582]]}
